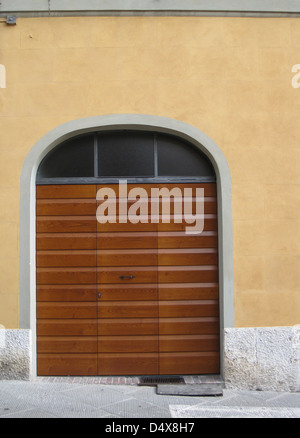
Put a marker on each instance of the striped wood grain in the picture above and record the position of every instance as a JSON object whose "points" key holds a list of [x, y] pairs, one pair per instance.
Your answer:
{"points": [[66, 277]]}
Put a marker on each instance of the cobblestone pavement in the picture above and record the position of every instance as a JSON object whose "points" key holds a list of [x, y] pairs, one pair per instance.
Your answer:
{"points": [[109, 398]]}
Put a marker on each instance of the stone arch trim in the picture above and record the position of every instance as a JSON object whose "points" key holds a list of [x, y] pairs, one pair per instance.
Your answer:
{"points": [[115, 122]]}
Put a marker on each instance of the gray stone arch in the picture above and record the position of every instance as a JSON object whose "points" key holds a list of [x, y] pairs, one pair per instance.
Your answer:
{"points": [[115, 122]]}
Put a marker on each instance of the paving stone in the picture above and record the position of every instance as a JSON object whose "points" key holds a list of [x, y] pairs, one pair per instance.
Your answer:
{"points": [[72, 399], [29, 413], [148, 394], [202, 389], [125, 389], [133, 408], [94, 395], [56, 403], [12, 403], [284, 400], [233, 412]]}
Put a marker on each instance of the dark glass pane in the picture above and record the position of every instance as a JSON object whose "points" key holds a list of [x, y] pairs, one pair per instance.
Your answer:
{"points": [[73, 158], [124, 153], [177, 158]]}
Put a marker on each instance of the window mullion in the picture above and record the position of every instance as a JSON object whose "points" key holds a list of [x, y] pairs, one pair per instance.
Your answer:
{"points": [[96, 164], [155, 157]]}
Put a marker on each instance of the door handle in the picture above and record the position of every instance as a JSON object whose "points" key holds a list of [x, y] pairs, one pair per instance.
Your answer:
{"points": [[127, 277]]}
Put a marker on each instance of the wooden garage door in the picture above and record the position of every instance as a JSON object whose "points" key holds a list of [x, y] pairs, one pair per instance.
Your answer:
{"points": [[123, 298]]}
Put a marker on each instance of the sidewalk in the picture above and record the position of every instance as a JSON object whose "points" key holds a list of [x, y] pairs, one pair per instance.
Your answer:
{"points": [[76, 398]]}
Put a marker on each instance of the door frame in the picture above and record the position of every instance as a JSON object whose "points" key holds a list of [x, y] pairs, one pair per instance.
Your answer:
{"points": [[27, 273]]}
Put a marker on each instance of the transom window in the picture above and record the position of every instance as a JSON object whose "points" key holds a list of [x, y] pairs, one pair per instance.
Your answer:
{"points": [[105, 157]]}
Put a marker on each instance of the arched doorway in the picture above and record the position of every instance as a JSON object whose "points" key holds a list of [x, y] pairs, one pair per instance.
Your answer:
{"points": [[161, 130]]}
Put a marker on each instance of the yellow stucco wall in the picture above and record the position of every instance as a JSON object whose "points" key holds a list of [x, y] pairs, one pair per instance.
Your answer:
{"points": [[229, 77]]}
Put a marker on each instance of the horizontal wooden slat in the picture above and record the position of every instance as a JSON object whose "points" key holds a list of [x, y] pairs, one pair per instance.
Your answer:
{"points": [[128, 292], [186, 205], [134, 326], [67, 364], [158, 223], [67, 344], [129, 257], [66, 293], [130, 309], [66, 207], [128, 344], [66, 191], [208, 223], [129, 364], [193, 308], [207, 239], [127, 240], [190, 343], [66, 276], [188, 291], [66, 310], [191, 256], [110, 226], [113, 275], [187, 274], [66, 241], [209, 188], [66, 224], [189, 363], [65, 258], [189, 326], [67, 327]]}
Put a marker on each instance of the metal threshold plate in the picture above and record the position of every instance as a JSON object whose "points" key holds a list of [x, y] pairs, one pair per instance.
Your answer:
{"points": [[204, 390], [161, 380]]}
